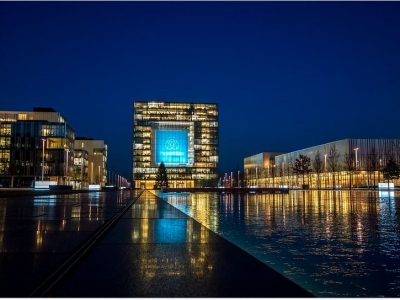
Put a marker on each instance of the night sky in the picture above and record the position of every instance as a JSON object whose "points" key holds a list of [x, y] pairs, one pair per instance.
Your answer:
{"points": [[285, 75]]}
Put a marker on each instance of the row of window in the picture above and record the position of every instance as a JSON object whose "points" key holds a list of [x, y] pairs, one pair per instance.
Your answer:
{"points": [[5, 129], [148, 176], [5, 142]]}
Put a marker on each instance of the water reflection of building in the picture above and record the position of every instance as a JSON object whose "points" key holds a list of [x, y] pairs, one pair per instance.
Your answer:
{"points": [[198, 205], [339, 214], [332, 240], [355, 162], [184, 136], [175, 232]]}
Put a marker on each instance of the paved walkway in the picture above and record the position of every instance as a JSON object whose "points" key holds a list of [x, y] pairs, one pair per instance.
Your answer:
{"points": [[156, 250], [38, 233]]}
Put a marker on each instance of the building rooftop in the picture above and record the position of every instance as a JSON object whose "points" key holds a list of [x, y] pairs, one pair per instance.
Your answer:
{"points": [[43, 109]]}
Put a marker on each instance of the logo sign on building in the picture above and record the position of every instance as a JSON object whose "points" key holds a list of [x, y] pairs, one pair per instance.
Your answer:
{"points": [[171, 146]]}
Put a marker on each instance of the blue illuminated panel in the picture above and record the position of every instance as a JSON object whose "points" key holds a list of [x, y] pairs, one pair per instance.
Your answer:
{"points": [[171, 146]]}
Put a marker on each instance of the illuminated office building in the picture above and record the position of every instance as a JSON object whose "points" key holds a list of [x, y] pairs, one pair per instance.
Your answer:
{"points": [[81, 170], [25, 137], [184, 136], [344, 163], [91, 162], [257, 166]]}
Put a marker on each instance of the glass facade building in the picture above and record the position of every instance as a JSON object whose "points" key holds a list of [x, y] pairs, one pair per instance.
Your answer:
{"points": [[343, 163], [24, 137], [183, 136]]}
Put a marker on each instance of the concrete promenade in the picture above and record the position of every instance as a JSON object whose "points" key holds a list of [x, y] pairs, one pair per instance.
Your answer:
{"points": [[154, 250], [38, 233]]}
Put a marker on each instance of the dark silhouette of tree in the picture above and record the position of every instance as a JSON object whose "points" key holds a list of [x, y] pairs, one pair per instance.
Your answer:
{"points": [[349, 163], [391, 171], [318, 167], [302, 166], [162, 178], [333, 162], [290, 165]]}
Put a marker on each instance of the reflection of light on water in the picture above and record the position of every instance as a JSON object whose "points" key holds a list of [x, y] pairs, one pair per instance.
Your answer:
{"points": [[94, 196], [170, 230], [94, 204], [45, 204], [63, 224], [145, 230], [386, 194], [181, 231], [49, 200], [334, 243], [39, 235], [359, 230], [198, 204], [39, 238], [135, 235], [189, 232], [75, 212]]}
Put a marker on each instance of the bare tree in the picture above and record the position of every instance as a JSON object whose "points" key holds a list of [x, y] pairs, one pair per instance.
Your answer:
{"points": [[372, 164], [318, 167], [333, 162], [349, 162], [302, 166]]}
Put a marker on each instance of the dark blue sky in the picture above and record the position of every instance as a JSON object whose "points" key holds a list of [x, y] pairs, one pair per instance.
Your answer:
{"points": [[285, 75]]}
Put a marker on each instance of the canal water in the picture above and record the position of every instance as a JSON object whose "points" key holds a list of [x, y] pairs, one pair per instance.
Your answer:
{"points": [[332, 243]]}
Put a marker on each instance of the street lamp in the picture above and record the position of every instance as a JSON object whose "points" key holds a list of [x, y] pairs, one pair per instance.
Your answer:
{"points": [[82, 167], [356, 150], [66, 161], [43, 141], [273, 175]]}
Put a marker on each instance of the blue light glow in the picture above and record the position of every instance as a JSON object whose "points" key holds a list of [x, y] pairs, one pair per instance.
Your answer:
{"points": [[171, 146], [170, 230]]}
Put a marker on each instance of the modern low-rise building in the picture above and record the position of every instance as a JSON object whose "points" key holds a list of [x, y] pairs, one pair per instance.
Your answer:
{"points": [[183, 136], [35, 145], [91, 162], [342, 163], [258, 166]]}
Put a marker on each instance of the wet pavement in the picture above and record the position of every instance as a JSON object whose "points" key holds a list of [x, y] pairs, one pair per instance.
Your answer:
{"points": [[155, 250], [38, 233]]}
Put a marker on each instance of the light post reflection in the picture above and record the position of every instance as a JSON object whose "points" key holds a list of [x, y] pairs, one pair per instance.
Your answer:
{"points": [[312, 236]]}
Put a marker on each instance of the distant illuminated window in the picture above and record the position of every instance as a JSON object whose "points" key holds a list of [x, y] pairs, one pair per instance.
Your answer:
{"points": [[21, 116]]}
